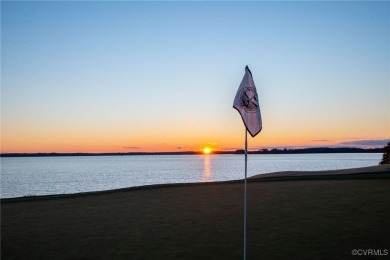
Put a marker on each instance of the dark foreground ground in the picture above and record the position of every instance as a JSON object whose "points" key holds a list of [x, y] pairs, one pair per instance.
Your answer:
{"points": [[310, 218]]}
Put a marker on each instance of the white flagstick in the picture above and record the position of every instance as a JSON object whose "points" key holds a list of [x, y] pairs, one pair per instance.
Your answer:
{"points": [[246, 155], [246, 103]]}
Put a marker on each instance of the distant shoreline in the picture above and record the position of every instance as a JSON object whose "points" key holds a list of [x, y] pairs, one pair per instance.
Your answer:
{"points": [[263, 151]]}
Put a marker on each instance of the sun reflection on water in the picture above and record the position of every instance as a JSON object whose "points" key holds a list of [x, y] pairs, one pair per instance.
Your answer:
{"points": [[207, 169]]}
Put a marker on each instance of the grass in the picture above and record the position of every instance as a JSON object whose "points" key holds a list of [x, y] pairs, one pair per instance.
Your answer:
{"points": [[294, 219]]}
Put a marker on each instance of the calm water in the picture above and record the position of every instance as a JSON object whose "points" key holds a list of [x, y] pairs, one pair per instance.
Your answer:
{"points": [[26, 176]]}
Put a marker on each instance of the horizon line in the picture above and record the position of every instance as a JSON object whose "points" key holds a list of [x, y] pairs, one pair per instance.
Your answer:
{"points": [[238, 151]]}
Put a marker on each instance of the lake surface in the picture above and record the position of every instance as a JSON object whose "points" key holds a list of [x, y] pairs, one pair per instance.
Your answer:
{"points": [[28, 176]]}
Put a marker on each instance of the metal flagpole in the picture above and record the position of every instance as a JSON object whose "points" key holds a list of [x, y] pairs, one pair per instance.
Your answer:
{"points": [[246, 103], [246, 155]]}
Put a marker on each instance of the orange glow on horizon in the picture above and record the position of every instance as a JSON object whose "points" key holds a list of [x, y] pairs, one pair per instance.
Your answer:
{"points": [[207, 150], [109, 139]]}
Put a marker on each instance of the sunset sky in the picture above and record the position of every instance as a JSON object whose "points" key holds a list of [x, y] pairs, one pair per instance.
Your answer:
{"points": [[103, 76]]}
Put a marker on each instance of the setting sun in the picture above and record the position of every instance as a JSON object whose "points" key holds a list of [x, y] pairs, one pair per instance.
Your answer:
{"points": [[207, 150]]}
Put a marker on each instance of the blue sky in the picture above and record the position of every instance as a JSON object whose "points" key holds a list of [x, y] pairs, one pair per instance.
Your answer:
{"points": [[99, 76]]}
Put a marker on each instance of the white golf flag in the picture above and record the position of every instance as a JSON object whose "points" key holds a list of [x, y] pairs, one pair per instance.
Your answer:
{"points": [[247, 104]]}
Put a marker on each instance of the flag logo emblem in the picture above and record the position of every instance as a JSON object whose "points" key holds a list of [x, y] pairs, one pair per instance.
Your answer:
{"points": [[249, 100]]}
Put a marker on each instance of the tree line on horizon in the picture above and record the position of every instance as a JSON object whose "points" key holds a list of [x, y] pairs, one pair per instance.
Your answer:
{"points": [[260, 151], [314, 150]]}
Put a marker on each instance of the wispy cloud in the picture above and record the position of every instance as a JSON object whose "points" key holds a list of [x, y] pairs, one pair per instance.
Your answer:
{"points": [[369, 143], [131, 147], [185, 148], [320, 140]]}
